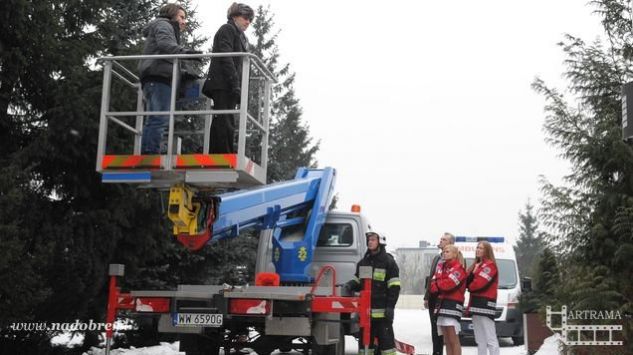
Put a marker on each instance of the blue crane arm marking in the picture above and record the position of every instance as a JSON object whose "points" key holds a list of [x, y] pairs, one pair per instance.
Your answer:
{"points": [[303, 200], [295, 257]]}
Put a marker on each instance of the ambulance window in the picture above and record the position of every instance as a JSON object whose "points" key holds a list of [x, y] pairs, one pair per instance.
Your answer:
{"points": [[507, 273]]}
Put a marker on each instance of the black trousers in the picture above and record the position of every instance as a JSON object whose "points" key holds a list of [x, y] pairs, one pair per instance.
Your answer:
{"points": [[383, 330], [222, 126], [438, 340]]}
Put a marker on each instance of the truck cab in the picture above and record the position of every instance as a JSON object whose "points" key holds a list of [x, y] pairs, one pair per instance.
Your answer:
{"points": [[341, 244], [508, 318]]}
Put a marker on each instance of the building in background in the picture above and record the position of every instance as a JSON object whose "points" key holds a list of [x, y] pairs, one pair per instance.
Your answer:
{"points": [[415, 264]]}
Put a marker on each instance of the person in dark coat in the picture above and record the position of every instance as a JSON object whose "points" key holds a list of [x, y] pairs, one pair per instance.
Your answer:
{"points": [[430, 300], [225, 73], [162, 37], [385, 289]]}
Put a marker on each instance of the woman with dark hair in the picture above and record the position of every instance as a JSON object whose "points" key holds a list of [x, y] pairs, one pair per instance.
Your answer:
{"points": [[162, 36], [482, 283], [449, 283], [225, 74]]}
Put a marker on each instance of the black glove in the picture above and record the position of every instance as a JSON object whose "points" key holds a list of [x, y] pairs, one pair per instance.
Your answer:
{"points": [[389, 314], [193, 51]]}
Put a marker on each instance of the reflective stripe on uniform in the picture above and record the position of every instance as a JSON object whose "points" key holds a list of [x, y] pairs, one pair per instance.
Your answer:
{"points": [[391, 351], [380, 274], [369, 352], [454, 278], [394, 281], [450, 312], [378, 313], [485, 276], [482, 310]]}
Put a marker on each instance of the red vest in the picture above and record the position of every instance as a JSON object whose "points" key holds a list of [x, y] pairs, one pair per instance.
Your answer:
{"points": [[450, 283], [483, 289]]}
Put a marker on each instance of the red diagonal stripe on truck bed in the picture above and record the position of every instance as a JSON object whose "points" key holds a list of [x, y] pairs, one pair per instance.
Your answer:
{"points": [[131, 161], [206, 161]]}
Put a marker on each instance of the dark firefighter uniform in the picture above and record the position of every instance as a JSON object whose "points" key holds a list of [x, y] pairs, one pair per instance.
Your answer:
{"points": [[385, 289]]}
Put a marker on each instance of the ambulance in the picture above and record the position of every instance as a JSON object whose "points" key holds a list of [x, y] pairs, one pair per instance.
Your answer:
{"points": [[508, 318]]}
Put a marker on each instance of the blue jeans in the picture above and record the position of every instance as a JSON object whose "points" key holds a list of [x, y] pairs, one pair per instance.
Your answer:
{"points": [[157, 97]]}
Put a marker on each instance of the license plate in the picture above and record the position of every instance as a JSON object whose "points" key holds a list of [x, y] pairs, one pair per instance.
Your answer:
{"points": [[198, 320]]}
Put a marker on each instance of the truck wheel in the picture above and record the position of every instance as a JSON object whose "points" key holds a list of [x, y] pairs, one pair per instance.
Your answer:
{"points": [[323, 349], [517, 340], [193, 344]]}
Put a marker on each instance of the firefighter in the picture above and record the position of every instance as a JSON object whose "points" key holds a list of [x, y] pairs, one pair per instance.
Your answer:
{"points": [[482, 283], [449, 283], [385, 289]]}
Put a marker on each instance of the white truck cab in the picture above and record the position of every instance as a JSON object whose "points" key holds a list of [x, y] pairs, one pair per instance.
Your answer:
{"points": [[508, 319]]}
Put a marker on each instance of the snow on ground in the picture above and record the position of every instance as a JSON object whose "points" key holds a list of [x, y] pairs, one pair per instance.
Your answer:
{"points": [[162, 349], [68, 339], [411, 326], [550, 346]]}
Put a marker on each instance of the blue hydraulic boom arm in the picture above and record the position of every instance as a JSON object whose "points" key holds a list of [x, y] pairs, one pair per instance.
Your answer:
{"points": [[303, 201]]}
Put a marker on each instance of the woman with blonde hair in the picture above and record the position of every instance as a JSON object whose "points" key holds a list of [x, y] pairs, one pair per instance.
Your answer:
{"points": [[483, 281], [449, 283]]}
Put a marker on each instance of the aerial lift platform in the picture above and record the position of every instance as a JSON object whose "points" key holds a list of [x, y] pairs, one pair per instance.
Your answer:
{"points": [[197, 169]]}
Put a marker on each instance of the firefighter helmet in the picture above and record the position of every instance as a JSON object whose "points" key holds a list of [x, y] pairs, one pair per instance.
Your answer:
{"points": [[382, 240]]}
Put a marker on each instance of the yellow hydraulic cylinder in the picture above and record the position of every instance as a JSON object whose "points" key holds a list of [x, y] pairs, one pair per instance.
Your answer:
{"points": [[183, 212]]}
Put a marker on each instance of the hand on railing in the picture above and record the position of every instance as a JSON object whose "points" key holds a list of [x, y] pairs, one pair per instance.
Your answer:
{"points": [[193, 51]]}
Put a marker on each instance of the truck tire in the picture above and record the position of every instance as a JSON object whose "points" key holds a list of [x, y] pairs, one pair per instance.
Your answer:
{"points": [[193, 344]]}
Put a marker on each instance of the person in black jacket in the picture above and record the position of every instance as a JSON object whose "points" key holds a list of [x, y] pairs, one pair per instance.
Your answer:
{"points": [[225, 73], [385, 289], [430, 300]]}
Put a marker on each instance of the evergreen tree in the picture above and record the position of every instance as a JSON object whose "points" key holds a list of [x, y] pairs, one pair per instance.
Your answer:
{"points": [[591, 216], [59, 225], [530, 242], [290, 143], [547, 277]]}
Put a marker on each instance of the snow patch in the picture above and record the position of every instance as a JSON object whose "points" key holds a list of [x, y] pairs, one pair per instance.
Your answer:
{"points": [[411, 326], [550, 346], [162, 349]]}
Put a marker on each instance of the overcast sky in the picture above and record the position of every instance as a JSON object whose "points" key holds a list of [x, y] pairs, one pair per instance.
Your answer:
{"points": [[425, 107]]}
